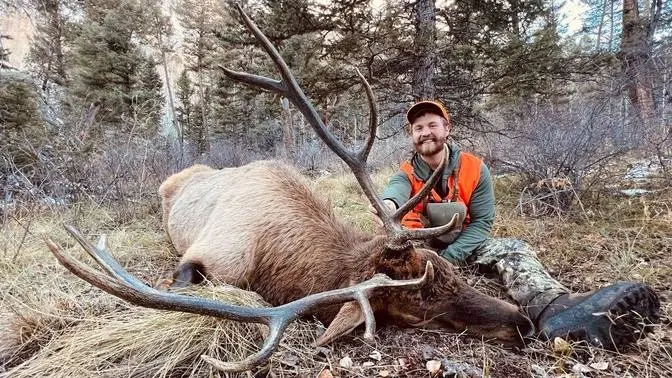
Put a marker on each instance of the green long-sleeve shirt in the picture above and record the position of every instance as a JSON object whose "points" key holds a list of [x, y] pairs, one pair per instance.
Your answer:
{"points": [[481, 206]]}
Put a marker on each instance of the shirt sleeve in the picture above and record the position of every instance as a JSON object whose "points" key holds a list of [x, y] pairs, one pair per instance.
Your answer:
{"points": [[398, 189], [482, 216]]}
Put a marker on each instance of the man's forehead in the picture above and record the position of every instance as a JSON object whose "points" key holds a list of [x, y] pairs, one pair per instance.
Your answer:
{"points": [[428, 118]]}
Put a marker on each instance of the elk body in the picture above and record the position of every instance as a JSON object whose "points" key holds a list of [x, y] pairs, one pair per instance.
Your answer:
{"points": [[261, 227]]}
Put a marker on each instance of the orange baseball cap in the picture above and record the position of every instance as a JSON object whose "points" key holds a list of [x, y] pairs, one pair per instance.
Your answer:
{"points": [[434, 107]]}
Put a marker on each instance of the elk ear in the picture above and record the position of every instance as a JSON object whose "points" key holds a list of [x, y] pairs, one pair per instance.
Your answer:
{"points": [[348, 318]]}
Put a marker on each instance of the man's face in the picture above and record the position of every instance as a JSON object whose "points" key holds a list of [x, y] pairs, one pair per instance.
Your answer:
{"points": [[429, 132]]}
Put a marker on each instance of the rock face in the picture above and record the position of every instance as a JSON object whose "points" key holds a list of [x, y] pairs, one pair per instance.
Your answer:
{"points": [[19, 28]]}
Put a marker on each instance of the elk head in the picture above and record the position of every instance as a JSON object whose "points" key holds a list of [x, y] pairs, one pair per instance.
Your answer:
{"points": [[445, 303]]}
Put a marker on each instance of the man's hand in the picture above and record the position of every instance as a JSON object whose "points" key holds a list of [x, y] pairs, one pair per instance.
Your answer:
{"points": [[390, 204]]}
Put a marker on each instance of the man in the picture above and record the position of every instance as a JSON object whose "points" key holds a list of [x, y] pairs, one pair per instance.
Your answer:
{"points": [[608, 317]]}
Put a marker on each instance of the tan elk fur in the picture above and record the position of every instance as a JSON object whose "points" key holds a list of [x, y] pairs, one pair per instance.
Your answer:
{"points": [[256, 226]]}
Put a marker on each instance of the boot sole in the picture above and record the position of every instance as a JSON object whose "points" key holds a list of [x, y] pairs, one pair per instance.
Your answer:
{"points": [[614, 316], [633, 314]]}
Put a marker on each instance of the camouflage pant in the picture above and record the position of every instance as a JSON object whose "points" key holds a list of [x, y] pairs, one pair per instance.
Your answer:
{"points": [[525, 279]]}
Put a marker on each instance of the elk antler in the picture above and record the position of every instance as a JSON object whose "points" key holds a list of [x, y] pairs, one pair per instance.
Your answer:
{"points": [[356, 160], [115, 280]]}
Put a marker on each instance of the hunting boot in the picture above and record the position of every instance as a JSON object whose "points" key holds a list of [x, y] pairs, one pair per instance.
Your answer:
{"points": [[610, 317]]}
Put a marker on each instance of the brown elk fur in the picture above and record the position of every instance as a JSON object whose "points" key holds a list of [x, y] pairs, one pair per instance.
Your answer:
{"points": [[261, 227]]}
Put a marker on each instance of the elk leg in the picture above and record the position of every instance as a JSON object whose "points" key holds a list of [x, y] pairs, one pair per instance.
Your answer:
{"points": [[188, 273]]}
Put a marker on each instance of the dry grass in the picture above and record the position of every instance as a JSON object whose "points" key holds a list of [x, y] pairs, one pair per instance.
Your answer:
{"points": [[53, 324]]}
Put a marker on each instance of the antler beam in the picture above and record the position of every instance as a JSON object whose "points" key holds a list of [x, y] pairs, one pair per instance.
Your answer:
{"points": [[114, 279]]}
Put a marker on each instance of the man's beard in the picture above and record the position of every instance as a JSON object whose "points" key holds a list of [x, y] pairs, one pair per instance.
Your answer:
{"points": [[430, 149]]}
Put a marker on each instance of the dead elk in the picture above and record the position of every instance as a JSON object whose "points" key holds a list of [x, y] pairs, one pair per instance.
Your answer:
{"points": [[261, 227]]}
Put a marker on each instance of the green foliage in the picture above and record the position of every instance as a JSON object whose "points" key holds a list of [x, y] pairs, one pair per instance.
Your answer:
{"points": [[147, 94], [110, 67], [200, 20], [47, 49], [21, 126]]}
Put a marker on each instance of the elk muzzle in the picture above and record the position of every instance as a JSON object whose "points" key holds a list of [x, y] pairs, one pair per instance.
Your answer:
{"points": [[481, 315]]}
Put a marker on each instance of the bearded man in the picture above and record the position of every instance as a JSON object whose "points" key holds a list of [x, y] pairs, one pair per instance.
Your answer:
{"points": [[608, 317]]}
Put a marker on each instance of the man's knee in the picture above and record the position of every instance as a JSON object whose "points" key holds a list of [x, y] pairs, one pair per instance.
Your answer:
{"points": [[496, 249]]}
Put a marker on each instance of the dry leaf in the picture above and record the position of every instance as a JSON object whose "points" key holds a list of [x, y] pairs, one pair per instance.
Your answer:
{"points": [[368, 364], [560, 346], [433, 366], [578, 369], [345, 362], [384, 373], [326, 373], [290, 359], [376, 355], [600, 365], [402, 362]]}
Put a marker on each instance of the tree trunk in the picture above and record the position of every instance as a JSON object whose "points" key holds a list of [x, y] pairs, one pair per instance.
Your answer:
{"points": [[287, 130], [636, 62], [203, 137], [424, 72], [611, 27]]}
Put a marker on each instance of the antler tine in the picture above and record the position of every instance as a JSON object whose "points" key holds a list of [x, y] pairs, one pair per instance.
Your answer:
{"points": [[425, 233], [373, 119], [255, 80], [100, 254], [117, 281], [426, 188], [82, 270], [276, 330]]}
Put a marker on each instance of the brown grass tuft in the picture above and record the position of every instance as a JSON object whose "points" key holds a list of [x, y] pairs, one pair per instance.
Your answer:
{"points": [[134, 341]]}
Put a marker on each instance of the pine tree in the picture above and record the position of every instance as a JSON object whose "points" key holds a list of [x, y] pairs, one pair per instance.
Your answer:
{"points": [[110, 68], [184, 109], [147, 95], [22, 129], [47, 50], [200, 19]]}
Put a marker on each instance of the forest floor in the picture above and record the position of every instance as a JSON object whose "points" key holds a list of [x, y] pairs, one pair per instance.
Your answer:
{"points": [[54, 324]]}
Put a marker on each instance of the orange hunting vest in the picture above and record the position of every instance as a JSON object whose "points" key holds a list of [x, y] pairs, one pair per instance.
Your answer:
{"points": [[467, 173]]}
